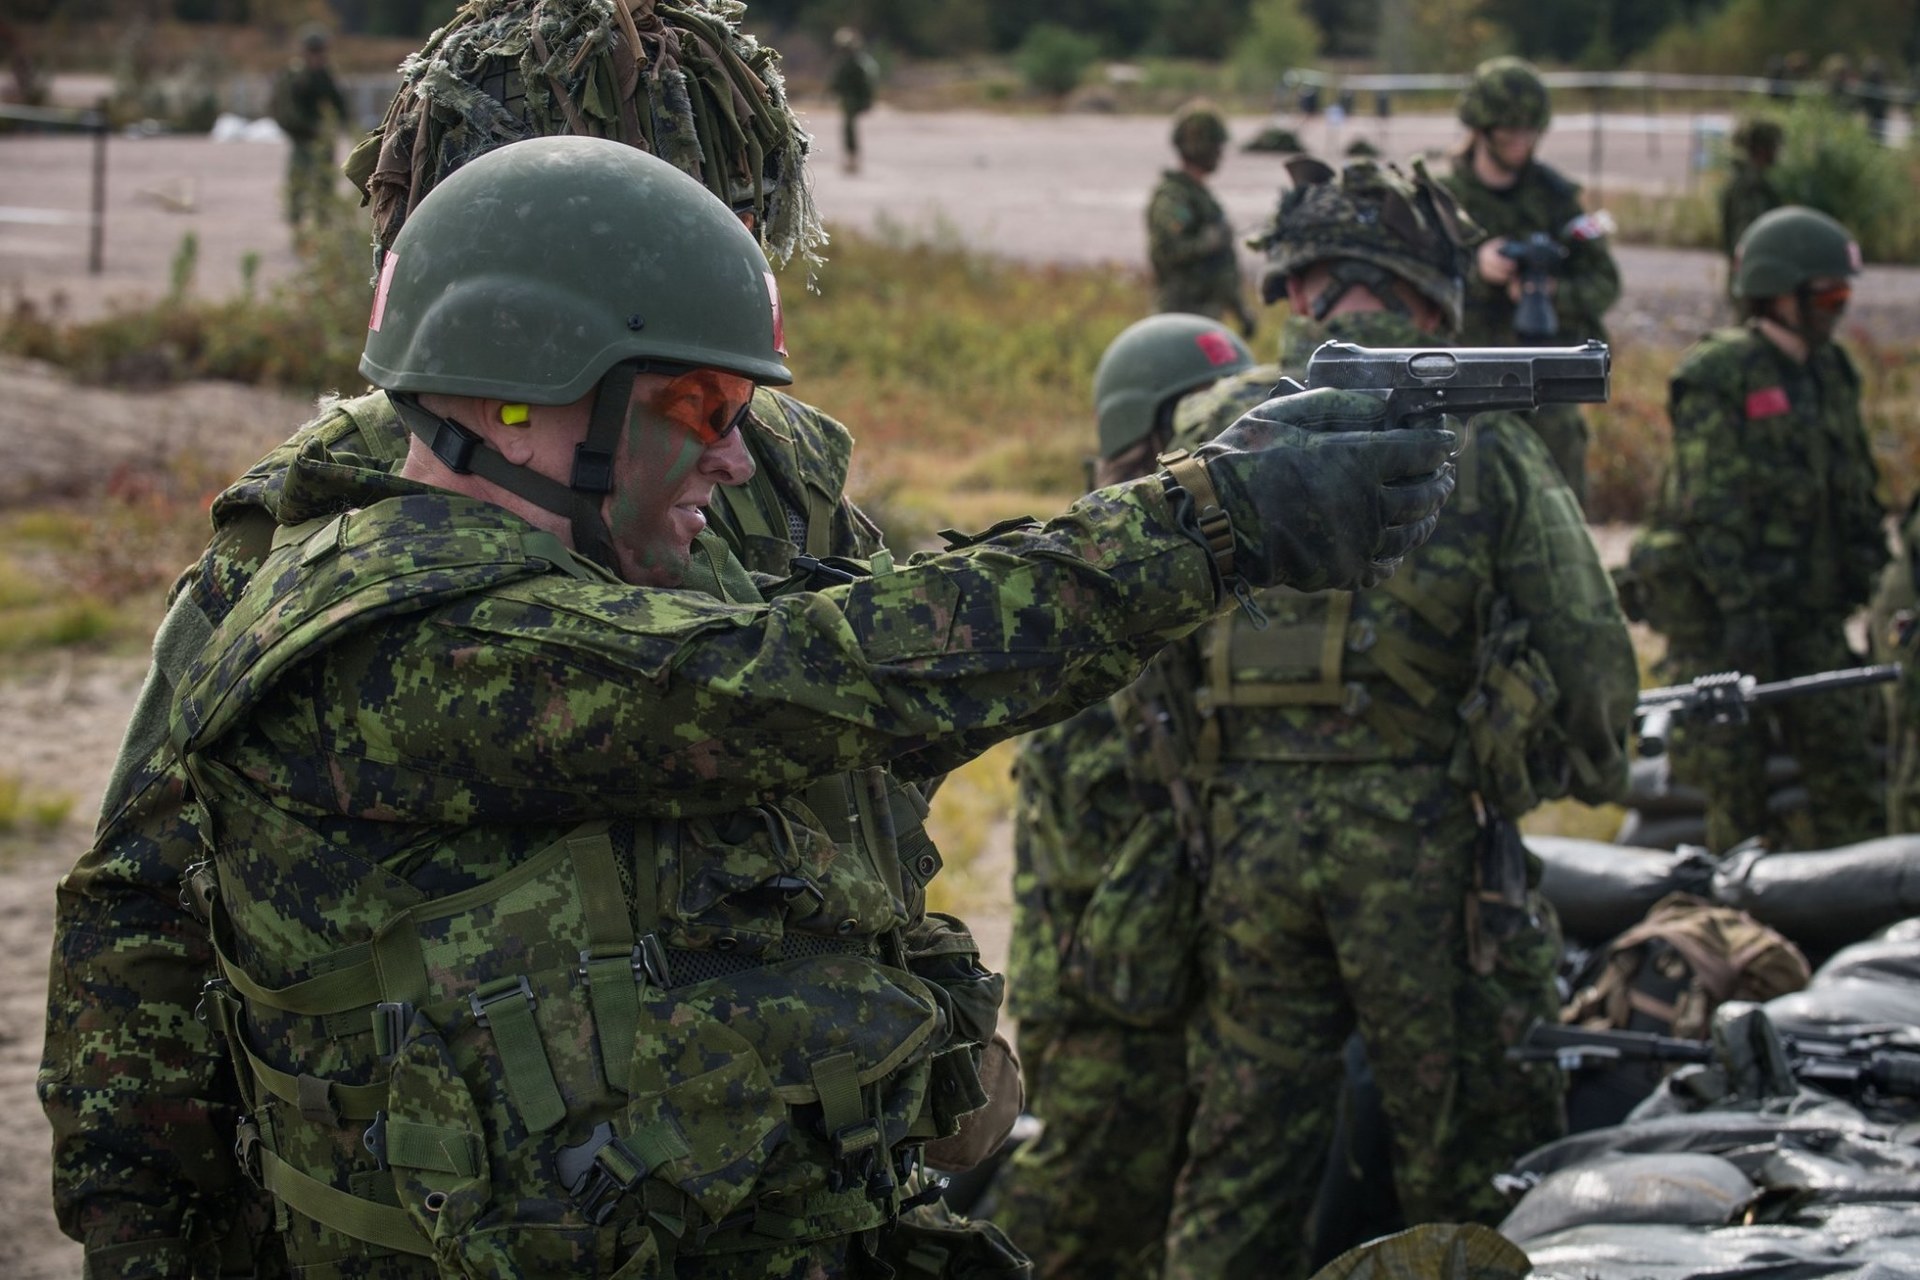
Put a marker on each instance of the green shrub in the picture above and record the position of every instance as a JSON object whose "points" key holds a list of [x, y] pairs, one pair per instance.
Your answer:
{"points": [[1831, 163], [1280, 35], [1053, 60]]}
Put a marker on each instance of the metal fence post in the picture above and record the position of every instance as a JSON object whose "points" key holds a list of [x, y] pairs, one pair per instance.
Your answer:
{"points": [[97, 241]]}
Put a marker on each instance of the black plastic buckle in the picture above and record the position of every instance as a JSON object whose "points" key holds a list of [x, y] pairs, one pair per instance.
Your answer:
{"points": [[857, 1149], [454, 445], [592, 470], [597, 1172], [390, 1019], [482, 1000]]}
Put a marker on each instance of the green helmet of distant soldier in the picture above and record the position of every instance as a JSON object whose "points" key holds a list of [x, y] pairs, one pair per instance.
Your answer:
{"points": [[1758, 136], [1154, 362], [545, 308], [1786, 248], [1505, 93], [1200, 135], [1372, 225], [679, 80]]}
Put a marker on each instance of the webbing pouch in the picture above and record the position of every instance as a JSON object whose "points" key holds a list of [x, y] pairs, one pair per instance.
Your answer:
{"points": [[1132, 956], [1295, 660]]}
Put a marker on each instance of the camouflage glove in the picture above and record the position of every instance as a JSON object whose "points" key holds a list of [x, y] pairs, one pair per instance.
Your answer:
{"points": [[1319, 494]]}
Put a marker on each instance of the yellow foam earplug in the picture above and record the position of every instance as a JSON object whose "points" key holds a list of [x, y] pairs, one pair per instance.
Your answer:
{"points": [[513, 415]]}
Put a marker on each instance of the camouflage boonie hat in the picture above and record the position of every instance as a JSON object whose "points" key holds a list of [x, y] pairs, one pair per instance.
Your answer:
{"points": [[1198, 130], [1758, 133], [1505, 93], [1369, 221], [679, 80]]}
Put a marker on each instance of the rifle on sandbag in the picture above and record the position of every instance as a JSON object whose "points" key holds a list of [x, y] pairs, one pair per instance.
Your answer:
{"points": [[1726, 697]]}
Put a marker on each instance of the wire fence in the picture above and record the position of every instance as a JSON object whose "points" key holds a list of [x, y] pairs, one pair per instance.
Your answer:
{"points": [[94, 218]]}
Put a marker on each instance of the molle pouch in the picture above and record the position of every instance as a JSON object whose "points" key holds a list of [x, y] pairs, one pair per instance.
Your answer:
{"points": [[944, 955], [1132, 957], [934, 1243], [738, 884], [1513, 754]]}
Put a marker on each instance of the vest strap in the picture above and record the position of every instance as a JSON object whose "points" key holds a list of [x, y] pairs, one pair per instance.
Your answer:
{"points": [[345, 1212], [611, 963], [505, 1007]]}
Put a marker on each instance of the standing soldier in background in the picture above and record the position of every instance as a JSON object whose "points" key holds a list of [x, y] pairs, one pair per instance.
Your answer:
{"points": [[1513, 196], [1749, 191], [1364, 760], [1102, 806], [1872, 96], [1189, 240], [303, 96], [853, 81], [1768, 534]]}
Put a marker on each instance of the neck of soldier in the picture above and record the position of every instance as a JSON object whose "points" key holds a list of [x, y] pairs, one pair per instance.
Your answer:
{"points": [[1195, 172], [1781, 326], [1493, 172], [516, 445]]}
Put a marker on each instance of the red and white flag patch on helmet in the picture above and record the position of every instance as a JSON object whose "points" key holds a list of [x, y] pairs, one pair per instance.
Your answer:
{"points": [[380, 292], [1216, 348]]}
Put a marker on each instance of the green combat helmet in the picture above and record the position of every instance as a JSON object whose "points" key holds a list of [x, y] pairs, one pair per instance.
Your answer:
{"points": [[679, 80], [1152, 363], [1756, 135], [1199, 134], [1505, 93], [1370, 225], [565, 299], [1787, 247]]}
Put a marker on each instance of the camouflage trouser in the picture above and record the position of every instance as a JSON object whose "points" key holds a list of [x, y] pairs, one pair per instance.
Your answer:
{"points": [[1563, 429], [1090, 1196], [1337, 901], [310, 185], [1825, 732]]}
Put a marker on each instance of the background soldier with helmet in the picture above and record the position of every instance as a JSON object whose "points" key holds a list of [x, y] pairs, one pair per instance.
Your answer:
{"points": [[1513, 195], [1363, 759], [1769, 533], [852, 81], [1749, 191], [308, 106], [1102, 797], [1189, 240]]}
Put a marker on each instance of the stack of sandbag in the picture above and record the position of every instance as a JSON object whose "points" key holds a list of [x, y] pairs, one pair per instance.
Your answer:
{"points": [[1870, 984]]}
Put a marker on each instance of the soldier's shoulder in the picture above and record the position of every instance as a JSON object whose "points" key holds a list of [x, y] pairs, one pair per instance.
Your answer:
{"points": [[1506, 443], [1719, 354], [1550, 180], [1204, 414]]}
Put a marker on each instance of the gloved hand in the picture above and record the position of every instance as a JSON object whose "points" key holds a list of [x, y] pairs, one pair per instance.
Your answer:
{"points": [[1747, 641], [1321, 495]]}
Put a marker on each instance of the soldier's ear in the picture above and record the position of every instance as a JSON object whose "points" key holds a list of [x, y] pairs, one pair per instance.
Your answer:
{"points": [[1306, 171]]}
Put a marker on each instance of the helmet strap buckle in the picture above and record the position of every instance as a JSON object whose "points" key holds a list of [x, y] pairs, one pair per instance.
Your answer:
{"points": [[454, 445]]}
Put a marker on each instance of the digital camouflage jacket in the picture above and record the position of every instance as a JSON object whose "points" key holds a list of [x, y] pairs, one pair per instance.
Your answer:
{"points": [[1748, 194], [1772, 488], [1542, 200], [142, 1105], [420, 701], [1190, 244], [1382, 674]]}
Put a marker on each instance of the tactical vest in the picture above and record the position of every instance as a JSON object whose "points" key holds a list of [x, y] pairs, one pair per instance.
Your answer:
{"points": [[1342, 675], [645, 1038]]}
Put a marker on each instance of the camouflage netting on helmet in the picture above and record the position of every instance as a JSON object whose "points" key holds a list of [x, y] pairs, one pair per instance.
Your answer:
{"points": [[680, 80], [1371, 225]]}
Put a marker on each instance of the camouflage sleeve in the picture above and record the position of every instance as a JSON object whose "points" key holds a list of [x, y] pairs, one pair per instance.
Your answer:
{"points": [[1180, 235], [1590, 282], [1714, 479], [621, 700], [1547, 565], [1860, 513]]}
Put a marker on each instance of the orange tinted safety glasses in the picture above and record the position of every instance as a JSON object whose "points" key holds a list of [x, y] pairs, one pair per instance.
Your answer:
{"points": [[709, 403], [1831, 298]]}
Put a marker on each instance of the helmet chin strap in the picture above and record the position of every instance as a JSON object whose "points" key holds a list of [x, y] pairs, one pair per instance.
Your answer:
{"points": [[466, 453]]}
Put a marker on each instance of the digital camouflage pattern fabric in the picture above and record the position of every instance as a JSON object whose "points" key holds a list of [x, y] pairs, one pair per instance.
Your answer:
{"points": [[1588, 284], [1190, 245], [142, 1103], [304, 97], [1090, 1195], [434, 604], [1767, 537], [1339, 775]]}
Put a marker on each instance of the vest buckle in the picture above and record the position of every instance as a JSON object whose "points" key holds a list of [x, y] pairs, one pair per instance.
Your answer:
{"points": [[493, 993], [598, 1171]]}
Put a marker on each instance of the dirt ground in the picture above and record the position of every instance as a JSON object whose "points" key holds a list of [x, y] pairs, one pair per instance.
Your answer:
{"points": [[1053, 188]]}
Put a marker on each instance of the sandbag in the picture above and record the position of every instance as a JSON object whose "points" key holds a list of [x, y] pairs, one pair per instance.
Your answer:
{"points": [[1833, 1242], [1683, 1188], [1662, 831], [1600, 889], [1825, 899]]}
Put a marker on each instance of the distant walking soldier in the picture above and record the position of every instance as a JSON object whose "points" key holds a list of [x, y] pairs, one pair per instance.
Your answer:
{"points": [[1769, 534], [853, 81], [1101, 801], [1189, 240], [1749, 191], [1512, 195], [303, 95]]}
